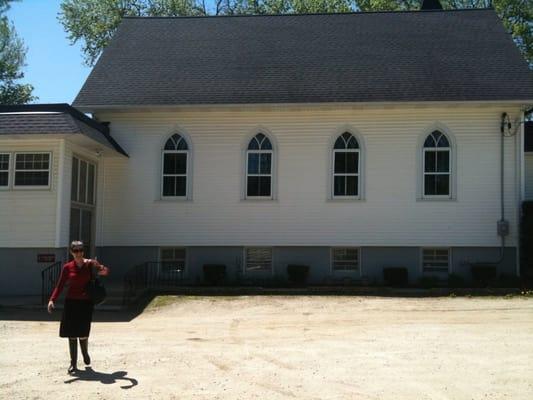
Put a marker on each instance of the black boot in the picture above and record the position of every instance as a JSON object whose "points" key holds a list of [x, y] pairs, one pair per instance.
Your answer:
{"points": [[73, 348], [84, 346]]}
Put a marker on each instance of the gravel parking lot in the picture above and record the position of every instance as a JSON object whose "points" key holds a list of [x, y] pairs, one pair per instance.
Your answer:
{"points": [[278, 347]]}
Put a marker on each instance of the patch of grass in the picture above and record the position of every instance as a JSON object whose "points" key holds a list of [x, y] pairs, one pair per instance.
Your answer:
{"points": [[527, 293], [165, 301]]}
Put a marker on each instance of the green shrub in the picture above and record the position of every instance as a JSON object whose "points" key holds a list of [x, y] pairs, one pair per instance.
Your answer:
{"points": [[396, 276], [456, 281], [526, 239], [429, 282], [509, 281], [484, 274], [297, 273], [214, 274]]}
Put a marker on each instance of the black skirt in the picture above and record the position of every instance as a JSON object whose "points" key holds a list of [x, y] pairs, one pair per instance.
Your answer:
{"points": [[76, 318]]}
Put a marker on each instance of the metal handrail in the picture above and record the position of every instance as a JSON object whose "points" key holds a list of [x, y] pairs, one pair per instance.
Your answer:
{"points": [[49, 277], [151, 275]]}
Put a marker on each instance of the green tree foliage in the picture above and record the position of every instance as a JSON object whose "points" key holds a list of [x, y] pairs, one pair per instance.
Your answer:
{"points": [[12, 55], [93, 22]]}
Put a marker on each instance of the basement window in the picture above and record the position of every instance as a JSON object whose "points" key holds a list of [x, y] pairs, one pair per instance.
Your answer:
{"points": [[173, 260], [345, 259], [259, 259], [435, 260]]}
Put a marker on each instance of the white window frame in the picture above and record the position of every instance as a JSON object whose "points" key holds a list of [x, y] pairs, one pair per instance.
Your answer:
{"points": [[271, 152], [449, 173], [245, 263], [94, 164], [347, 271], [186, 175], [34, 187], [358, 151], [173, 248], [9, 171], [422, 261]]}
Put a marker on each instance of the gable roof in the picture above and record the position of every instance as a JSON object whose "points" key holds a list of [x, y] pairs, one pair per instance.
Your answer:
{"points": [[62, 119], [461, 55]]}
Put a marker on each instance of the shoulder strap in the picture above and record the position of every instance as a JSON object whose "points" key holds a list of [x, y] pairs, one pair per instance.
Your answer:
{"points": [[90, 270]]}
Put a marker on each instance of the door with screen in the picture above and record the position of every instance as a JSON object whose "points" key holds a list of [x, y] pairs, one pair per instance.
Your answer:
{"points": [[82, 204]]}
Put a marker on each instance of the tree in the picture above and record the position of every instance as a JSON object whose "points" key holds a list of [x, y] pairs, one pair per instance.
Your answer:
{"points": [[93, 22], [12, 55]]}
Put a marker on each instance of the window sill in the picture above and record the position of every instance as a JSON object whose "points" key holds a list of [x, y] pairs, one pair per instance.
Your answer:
{"points": [[172, 200], [259, 200], [429, 199], [345, 199], [15, 188]]}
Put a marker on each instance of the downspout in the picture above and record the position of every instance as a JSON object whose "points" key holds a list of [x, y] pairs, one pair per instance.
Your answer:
{"points": [[502, 225]]}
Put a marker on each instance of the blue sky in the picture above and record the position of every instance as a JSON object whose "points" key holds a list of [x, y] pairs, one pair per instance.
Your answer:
{"points": [[54, 67]]}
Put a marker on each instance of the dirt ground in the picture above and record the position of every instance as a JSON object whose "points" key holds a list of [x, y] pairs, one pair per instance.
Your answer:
{"points": [[264, 347]]}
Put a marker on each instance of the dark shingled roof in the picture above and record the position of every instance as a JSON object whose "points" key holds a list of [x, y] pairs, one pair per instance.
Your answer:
{"points": [[462, 55], [53, 119]]}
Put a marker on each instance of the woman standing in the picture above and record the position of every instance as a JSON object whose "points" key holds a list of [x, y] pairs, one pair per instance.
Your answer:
{"points": [[78, 309]]}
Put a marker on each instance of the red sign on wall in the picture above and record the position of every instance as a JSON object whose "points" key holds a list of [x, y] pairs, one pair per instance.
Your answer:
{"points": [[46, 258]]}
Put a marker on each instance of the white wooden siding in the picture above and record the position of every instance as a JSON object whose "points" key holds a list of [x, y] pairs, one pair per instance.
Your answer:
{"points": [[389, 215], [28, 216], [528, 176]]}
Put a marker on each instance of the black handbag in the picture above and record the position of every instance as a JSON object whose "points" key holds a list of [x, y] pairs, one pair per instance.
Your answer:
{"points": [[95, 289]]}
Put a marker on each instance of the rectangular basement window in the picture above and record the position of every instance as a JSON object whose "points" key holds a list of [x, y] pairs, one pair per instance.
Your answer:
{"points": [[345, 259], [259, 259], [173, 260], [435, 260]]}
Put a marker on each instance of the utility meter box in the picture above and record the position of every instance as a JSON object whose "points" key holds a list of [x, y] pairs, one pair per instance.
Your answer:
{"points": [[503, 227]]}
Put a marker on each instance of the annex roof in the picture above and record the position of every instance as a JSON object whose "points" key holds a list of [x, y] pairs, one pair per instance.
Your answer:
{"points": [[57, 119], [460, 55]]}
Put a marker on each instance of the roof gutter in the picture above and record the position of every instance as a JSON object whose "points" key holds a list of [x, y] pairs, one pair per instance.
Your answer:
{"points": [[368, 104]]}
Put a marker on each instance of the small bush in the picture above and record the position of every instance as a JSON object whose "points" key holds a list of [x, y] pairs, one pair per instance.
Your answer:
{"points": [[214, 274], [429, 282], [483, 274], [456, 281], [509, 281], [297, 273], [396, 276], [526, 238]]}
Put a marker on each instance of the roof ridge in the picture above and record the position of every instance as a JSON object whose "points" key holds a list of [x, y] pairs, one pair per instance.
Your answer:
{"points": [[310, 14]]}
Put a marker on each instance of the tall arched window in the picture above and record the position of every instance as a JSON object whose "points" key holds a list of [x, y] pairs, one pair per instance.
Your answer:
{"points": [[346, 166], [259, 167], [175, 167], [436, 167]]}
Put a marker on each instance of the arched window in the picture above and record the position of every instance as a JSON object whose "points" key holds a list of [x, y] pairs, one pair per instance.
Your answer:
{"points": [[175, 167], [346, 166], [259, 167], [437, 165]]}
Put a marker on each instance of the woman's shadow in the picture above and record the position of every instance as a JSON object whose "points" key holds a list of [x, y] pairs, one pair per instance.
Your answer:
{"points": [[91, 375]]}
